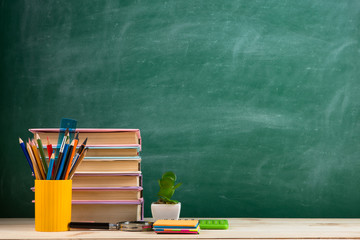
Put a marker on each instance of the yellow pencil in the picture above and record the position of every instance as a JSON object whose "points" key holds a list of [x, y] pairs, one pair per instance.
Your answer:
{"points": [[42, 154], [36, 170], [37, 158], [76, 140], [72, 172]]}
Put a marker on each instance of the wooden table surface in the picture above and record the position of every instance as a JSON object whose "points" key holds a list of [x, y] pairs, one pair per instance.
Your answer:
{"points": [[240, 228]]}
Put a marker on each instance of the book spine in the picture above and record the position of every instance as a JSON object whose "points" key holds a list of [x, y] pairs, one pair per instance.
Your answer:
{"points": [[104, 202]]}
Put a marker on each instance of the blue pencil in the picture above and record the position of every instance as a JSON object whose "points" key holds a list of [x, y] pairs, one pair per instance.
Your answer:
{"points": [[51, 165], [62, 162], [22, 144]]}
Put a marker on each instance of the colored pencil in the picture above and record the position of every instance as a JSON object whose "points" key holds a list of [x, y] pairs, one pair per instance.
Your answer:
{"points": [[33, 161], [68, 166], [79, 152], [49, 148], [42, 154], [51, 165], [37, 158], [50, 151], [62, 160], [58, 161], [67, 160], [77, 164], [26, 155]]}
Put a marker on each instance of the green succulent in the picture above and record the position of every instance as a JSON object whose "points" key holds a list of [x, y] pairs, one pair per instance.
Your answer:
{"points": [[167, 188]]}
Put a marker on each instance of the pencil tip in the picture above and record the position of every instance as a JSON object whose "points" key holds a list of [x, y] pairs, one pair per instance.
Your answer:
{"points": [[85, 141], [20, 140], [37, 136]]}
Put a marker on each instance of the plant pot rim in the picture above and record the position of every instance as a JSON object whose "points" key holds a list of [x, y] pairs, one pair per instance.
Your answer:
{"points": [[170, 204]]}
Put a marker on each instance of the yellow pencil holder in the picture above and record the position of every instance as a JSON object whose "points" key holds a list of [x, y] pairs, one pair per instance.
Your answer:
{"points": [[52, 205]]}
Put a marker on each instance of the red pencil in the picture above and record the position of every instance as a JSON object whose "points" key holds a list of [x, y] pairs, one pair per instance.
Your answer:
{"points": [[50, 151], [49, 148]]}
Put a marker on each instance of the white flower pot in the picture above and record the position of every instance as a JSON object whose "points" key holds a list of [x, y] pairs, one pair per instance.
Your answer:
{"points": [[165, 211]]}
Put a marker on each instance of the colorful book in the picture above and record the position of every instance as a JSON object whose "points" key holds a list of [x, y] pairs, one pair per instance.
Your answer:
{"points": [[109, 165], [105, 193], [107, 211], [109, 151], [178, 230], [96, 136], [177, 226], [114, 179]]}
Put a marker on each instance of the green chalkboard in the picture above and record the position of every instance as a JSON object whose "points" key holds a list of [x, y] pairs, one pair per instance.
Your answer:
{"points": [[254, 104]]}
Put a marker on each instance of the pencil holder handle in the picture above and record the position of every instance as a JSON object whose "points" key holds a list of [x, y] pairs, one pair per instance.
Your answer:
{"points": [[52, 205]]}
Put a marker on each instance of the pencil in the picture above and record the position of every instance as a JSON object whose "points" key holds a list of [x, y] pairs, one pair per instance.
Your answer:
{"points": [[49, 148], [33, 161], [26, 155], [50, 151], [68, 166], [42, 154], [62, 160], [51, 165], [77, 164], [38, 161], [57, 162], [67, 160], [79, 152]]}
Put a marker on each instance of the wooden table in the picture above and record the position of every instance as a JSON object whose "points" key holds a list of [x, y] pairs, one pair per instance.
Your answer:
{"points": [[240, 228]]}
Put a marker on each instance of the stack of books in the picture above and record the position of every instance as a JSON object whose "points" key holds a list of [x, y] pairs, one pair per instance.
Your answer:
{"points": [[177, 226], [107, 185]]}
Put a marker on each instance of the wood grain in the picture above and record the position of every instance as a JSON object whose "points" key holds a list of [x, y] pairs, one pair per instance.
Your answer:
{"points": [[240, 228]]}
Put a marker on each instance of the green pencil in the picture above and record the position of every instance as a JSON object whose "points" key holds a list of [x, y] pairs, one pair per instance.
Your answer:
{"points": [[41, 149]]}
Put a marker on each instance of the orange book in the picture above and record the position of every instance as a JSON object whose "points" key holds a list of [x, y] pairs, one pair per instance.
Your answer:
{"points": [[177, 223]]}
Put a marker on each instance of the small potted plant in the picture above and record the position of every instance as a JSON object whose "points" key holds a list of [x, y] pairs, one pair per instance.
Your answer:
{"points": [[165, 207]]}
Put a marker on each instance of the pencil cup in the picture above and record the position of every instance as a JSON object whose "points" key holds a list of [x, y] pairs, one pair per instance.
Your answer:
{"points": [[52, 205]]}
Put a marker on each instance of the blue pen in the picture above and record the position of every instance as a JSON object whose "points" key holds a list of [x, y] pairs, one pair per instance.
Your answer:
{"points": [[26, 154], [62, 162], [51, 165]]}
